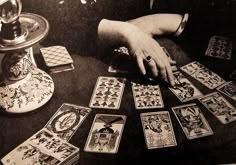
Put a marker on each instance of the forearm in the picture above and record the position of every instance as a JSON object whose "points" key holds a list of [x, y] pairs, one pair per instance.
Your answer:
{"points": [[115, 32], [158, 24]]}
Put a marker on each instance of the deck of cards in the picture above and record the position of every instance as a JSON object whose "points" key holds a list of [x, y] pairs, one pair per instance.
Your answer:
{"points": [[43, 147], [57, 59], [50, 145]]}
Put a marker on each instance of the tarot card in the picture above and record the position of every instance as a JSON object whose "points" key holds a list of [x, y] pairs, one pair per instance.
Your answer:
{"points": [[203, 74], [219, 107], [184, 89], [108, 92], [43, 147], [233, 75], [158, 130], [229, 89], [147, 96], [192, 121], [105, 133], [67, 120], [219, 47]]}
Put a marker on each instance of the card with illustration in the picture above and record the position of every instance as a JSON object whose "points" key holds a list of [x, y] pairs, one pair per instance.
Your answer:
{"points": [[147, 96], [203, 75], [108, 92], [192, 121], [158, 130], [67, 120], [219, 107], [105, 134], [184, 89]]}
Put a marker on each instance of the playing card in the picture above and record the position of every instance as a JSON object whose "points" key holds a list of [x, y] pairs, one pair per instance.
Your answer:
{"points": [[219, 107], [43, 147], [105, 133], [184, 89], [219, 47], [158, 130], [108, 92], [203, 74], [147, 96], [233, 75], [67, 120], [56, 55], [229, 89], [192, 121]]}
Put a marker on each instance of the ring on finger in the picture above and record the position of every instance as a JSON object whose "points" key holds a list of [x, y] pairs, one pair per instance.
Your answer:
{"points": [[148, 59]]}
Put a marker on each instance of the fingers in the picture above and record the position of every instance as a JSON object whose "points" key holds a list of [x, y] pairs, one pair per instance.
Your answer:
{"points": [[153, 68], [141, 65], [164, 66]]}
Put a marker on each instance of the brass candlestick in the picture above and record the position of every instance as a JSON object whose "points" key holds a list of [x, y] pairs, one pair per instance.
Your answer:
{"points": [[23, 86]]}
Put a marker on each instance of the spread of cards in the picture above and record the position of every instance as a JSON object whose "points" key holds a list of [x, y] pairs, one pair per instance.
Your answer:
{"points": [[50, 145]]}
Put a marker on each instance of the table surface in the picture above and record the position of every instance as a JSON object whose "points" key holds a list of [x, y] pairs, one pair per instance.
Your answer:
{"points": [[76, 87]]}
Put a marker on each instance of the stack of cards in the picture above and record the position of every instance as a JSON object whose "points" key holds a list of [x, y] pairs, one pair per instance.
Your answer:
{"points": [[50, 145], [192, 121], [158, 130], [203, 74], [43, 147], [219, 107], [108, 92], [219, 47], [105, 134], [57, 59], [147, 96], [184, 89]]}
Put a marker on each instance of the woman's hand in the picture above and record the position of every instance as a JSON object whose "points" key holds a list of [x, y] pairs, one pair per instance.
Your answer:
{"points": [[145, 50], [149, 55]]}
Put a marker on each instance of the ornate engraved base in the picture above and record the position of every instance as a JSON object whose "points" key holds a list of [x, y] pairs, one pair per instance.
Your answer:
{"points": [[27, 94]]}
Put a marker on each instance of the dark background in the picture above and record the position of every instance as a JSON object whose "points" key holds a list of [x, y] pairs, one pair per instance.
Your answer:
{"points": [[70, 26]]}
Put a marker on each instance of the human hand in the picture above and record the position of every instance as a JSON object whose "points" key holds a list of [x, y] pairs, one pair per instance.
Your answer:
{"points": [[149, 55]]}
